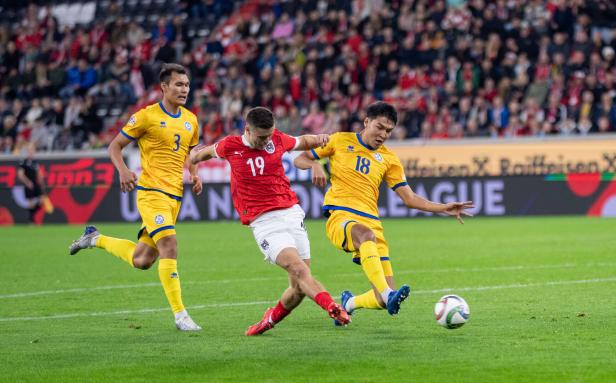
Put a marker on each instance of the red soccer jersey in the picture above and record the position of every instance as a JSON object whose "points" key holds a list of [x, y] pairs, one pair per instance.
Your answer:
{"points": [[258, 182]]}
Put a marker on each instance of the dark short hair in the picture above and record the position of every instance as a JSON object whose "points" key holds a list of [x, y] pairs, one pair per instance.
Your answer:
{"points": [[381, 108], [260, 117], [168, 69]]}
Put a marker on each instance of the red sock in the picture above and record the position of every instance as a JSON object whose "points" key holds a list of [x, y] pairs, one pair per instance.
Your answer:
{"points": [[279, 313], [323, 299]]}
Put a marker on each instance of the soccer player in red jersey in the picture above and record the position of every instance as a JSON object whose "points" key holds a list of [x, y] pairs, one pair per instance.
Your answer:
{"points": [[263, 198]]}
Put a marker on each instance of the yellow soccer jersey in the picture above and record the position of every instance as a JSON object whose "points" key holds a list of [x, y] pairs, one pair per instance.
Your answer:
{"points": [[357, 171], [164, 141]]}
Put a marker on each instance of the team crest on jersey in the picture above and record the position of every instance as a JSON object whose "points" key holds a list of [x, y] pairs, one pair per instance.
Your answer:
{"points": [[350, 148], [378, 157], [269, 147], [163, 124], [159, 219], [188, 126], [132, 120], [265, 245]]}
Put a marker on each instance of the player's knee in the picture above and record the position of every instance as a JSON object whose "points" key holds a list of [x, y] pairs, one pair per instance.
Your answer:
{"points": [[298, 271], [167, 247], [362, 234], [142, 263]]}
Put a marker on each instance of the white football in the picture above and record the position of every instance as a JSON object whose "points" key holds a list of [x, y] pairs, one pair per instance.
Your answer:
{"points": [[451, 311]]}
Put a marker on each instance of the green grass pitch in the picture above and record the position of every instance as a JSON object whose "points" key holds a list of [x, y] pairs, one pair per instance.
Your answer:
{"points": [[540, 292]]}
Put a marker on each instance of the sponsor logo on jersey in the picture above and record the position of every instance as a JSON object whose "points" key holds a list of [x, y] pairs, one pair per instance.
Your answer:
{"points": [[350, 148], [132, 120], [265, 245], [188, 126], [269, 147], [163, 124], [159, 219], [378, 157]]}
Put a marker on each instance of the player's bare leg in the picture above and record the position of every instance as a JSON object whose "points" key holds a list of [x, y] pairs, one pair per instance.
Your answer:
{"points": [[169, 278], [299, 271], [291, 298], [301, 283]]}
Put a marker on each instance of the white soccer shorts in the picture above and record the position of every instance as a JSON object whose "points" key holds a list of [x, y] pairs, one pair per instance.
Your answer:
{"points": [[279, 229]]}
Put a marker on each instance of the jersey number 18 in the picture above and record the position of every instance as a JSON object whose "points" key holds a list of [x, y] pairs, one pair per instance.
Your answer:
{"points": [[362, 165]]}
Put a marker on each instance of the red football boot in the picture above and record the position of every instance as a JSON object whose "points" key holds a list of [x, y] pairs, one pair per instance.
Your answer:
{"points": [[263, 325], [338, 313]]}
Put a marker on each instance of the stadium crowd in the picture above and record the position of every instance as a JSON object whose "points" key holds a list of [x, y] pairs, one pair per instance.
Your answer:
{"points": [[453, 68]]}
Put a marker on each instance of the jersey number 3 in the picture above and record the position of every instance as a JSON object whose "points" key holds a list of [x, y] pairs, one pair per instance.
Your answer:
{"points": [[362, 165], [258, 163], [176, 142]]}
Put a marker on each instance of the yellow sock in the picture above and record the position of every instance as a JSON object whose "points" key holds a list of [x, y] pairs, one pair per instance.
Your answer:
{"points": [[367, 301], [371, 263], [168, 274], [121, 248]]}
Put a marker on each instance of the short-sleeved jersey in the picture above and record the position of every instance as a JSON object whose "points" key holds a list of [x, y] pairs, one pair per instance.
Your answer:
{"points": [[258, 181], [164, 140], [356, 172]]}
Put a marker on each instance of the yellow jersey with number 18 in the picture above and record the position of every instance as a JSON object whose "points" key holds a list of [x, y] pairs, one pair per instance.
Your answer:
{"points": [[164, 140], [356, 172]]}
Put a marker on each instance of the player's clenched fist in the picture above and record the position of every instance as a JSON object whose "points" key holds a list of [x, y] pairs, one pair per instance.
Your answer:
{"points": [[319, 178], [128, 180], [197, 184]]}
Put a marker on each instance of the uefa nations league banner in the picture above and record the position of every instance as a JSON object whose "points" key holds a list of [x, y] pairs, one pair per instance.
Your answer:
{"points": [[493, 196], [501, 177]]}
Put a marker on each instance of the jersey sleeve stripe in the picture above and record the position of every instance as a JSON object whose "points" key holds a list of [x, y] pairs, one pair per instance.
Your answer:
{"points": [[297, 142], [316, 156], [161, 229], [127, 136], [216, 151], [403, 183]]}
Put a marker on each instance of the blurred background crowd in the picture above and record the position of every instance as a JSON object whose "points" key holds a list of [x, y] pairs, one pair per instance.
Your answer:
{"points": [[72, 73]]}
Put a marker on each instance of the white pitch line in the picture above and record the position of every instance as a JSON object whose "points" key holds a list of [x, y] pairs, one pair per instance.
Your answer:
{"points": [[124, 312], [218, 305], [265, 279], [515, 286]]}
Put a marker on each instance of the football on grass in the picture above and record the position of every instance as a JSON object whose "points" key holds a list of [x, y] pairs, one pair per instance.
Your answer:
{"points": [[452, 311]]}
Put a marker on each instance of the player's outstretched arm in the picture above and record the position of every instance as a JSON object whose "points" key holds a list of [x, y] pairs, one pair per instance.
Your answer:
{"points": [[307, 161], [311, 141], [202, 153], [128, 179], [414, 201]]}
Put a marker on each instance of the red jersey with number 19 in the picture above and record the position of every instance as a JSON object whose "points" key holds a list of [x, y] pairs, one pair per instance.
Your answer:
{"points": [[258, 181]]}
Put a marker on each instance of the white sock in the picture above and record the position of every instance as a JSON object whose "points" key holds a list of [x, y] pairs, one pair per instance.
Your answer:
{"points": [[181, 314], [385, 294], [350, 304], [93, 241]]}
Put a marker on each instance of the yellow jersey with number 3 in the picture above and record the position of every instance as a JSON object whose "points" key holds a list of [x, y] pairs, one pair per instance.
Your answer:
{"points": [[356, 172], [164, 140]]}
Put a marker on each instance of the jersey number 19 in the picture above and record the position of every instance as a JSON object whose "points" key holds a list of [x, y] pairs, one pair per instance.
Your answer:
{"points": [[257, 163]]}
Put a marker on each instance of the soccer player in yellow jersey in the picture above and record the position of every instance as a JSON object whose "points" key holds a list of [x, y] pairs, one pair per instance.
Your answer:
{"points": [[165, 132], [359, 162]]}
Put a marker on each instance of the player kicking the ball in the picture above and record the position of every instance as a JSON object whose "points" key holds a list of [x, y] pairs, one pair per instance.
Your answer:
{"points": [[359, 163], [263, 198]]}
